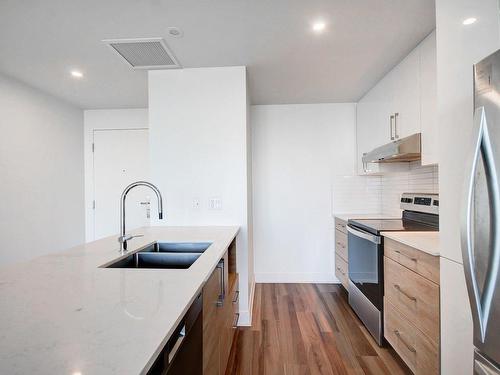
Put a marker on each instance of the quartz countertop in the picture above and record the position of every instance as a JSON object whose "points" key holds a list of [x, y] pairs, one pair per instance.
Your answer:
{"points": [[427, 242], [64, 314], [347, 216]]}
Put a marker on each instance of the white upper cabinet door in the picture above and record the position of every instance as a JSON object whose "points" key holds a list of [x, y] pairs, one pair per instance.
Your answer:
{"points": [[428, 100], [386, 88], [406, 102], [371, 130]]}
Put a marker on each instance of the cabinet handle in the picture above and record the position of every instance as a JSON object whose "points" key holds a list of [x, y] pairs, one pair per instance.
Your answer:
{"points": [[236, 319], [410, 297], [341, 244], [396, 135], [236, 296], [410, 348], [406, 256], [391, 118], [177, 345], [220, 301]]}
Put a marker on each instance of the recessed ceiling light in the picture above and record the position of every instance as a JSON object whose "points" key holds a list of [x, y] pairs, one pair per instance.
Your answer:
{"points": [[76, 74], [175, 32], [318, 27], [469, 21]]}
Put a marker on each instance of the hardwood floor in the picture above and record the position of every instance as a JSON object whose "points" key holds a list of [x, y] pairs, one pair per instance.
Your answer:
{"points": [[307, 329]]}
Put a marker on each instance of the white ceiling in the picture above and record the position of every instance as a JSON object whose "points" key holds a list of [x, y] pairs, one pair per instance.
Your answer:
{"points": [[287, 63]]}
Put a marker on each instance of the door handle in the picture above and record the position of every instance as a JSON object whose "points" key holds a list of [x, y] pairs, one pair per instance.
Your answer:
{"points": [[481, 304], [391, 119], [367, 236], [396, 135]]}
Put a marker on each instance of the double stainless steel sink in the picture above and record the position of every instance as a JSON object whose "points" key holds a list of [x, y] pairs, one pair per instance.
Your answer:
{"points": [[164, 255]]}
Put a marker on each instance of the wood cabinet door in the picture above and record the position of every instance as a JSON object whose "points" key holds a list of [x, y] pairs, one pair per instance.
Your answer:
{"points": [[416, 297], [211, 325], [226, 321]]}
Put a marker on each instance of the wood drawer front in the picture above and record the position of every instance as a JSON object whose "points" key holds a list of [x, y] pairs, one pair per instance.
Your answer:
{"points": [[340, 225], [417, 351], [341, 245], [416, 260], [341, 270], [414, 296]]}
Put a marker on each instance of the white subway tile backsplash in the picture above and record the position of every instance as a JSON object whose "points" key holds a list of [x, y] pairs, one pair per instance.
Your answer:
{"points": [[418, 179], [381, 194], [356, 194]]}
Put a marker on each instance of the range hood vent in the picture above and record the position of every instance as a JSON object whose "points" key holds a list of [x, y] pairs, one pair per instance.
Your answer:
{"points": [[404, 149], [144, 53]]}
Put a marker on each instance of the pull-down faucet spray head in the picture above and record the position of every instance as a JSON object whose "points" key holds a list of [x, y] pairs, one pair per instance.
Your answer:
{"points": [[123, 236]]}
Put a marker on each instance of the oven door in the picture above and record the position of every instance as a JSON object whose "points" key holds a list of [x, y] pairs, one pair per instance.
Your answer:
{"points": [[366, 264]]}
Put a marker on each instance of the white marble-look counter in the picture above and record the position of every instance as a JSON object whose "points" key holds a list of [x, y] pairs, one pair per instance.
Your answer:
{"points": [[427, 242], [63, 314], [347, 216]]}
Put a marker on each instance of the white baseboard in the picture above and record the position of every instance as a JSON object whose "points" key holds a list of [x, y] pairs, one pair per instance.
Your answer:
{"points": [[317, 278]]}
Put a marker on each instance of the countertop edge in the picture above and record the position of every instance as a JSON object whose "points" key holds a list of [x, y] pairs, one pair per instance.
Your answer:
{"points": [[413, 244]]}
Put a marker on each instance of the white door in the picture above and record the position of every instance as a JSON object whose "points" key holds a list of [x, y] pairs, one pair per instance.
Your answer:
{"points": [[120, 158]]}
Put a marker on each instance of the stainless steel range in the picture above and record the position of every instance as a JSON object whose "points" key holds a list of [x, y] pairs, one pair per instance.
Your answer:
{"points": [[366, 255]]}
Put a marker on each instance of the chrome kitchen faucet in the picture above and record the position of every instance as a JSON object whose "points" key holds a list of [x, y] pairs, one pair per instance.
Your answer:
{"points": [[123, 236]]}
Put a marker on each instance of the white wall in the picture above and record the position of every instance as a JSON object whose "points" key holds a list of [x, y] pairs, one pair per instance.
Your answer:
{"points": [[99, 119], [298, 150], [41, 169], [199, 151]]}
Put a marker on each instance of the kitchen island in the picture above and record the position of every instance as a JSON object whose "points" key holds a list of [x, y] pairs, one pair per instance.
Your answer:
{"points": [[65, 314]]}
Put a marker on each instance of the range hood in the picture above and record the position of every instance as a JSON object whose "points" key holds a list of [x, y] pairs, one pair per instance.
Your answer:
{"points": [[404, 149]]}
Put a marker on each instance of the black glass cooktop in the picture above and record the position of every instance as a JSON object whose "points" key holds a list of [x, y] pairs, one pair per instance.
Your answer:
{"points": [[376, 226]]}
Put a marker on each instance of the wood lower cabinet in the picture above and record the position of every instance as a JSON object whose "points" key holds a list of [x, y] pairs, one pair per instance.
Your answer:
{"points": [[411, 306], [219, 317], [420, 353], [341, 252], [341, 270]]}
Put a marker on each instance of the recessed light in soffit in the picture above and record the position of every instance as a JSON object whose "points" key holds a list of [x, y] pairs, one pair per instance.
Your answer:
{"points": [[144, 53]]}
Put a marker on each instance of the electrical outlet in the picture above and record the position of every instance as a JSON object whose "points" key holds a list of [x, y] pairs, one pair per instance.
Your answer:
{"points": [[215, 204]]}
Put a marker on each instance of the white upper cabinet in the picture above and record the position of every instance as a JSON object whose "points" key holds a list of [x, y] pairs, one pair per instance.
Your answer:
{"points": [[428, 100], [406, 102], [367, 134], [399, 105]]}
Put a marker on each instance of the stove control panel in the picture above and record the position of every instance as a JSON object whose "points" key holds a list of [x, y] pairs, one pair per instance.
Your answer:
{"points": [[420, 202]]}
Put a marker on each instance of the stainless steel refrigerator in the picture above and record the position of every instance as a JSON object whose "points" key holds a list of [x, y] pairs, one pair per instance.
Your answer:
{"points": [[480, 232]]}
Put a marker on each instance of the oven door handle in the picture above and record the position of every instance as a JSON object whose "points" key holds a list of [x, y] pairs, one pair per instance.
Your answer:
{"points": [[367, 236]]}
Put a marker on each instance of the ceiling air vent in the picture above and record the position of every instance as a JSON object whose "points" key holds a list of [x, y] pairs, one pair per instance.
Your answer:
{"points": [[144, 53]]}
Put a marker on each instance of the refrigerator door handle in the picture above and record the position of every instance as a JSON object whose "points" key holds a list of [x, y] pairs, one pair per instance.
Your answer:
{"points": [[481, 304]]}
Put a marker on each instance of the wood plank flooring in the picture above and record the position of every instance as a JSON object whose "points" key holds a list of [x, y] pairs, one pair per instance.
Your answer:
{"points": [[307, 329]]}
